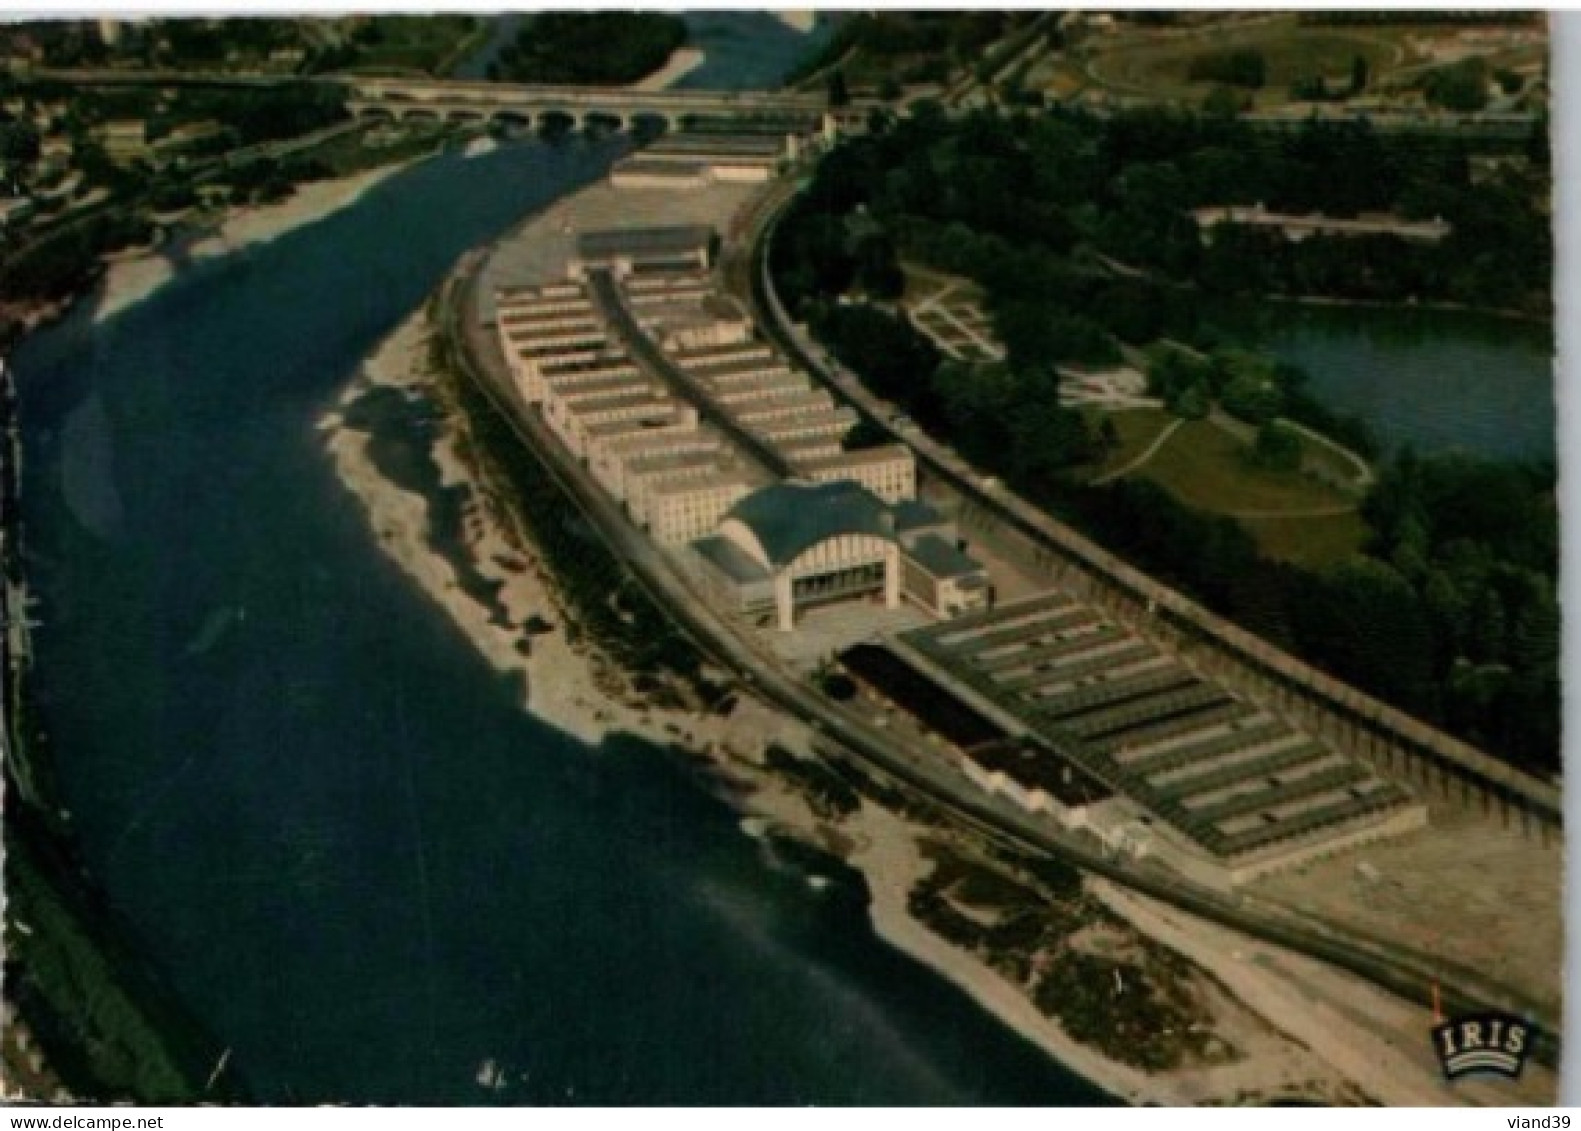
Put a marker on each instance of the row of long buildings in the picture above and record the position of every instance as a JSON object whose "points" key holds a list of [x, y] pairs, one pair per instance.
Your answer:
{"points": [[715, 445], [741, 467]]}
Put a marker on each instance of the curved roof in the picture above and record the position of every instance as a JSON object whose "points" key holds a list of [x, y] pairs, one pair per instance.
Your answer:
{"points": [[788, 519]]}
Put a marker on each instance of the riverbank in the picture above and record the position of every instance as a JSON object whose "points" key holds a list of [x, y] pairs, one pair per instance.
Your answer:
{"points": [[1410, 306], [683, 61], [1285, 1046], [129, 280]]}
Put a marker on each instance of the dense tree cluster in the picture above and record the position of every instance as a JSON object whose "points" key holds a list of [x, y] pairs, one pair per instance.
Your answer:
{"points": [[64, 261], [1460, 86], [1475, 544], [1079, 233], [591, 47], [1234, 67]]}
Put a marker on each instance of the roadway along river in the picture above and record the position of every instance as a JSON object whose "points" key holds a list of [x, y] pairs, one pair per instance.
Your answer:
{"points": [[357, 862]]}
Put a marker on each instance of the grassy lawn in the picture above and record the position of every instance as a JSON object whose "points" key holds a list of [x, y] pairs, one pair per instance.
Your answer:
{"points": [[430, 44], [1328, 460], [1159, 66], [1313, 541], [1203, 466], [1137, 428]]}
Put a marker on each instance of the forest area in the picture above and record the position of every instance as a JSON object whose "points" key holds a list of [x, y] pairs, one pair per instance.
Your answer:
{"points": [[1080, 234], [590, 47]]}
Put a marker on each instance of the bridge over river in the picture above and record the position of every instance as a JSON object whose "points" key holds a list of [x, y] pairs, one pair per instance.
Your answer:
{"points": [[462, 100]]}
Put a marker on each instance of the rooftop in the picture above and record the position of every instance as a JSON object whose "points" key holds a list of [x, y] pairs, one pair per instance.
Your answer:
{"points": [[670, 417], [1037, 766], [940, 558], [789, 518], [690, 485], [719, 144], [730, 560], [885, 453], [674, 241], [913, 514]]}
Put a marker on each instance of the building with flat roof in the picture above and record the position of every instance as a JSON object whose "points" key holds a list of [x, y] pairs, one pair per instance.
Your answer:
{"points": [[681, 512], [622, 251], [693, 160], [1220, 787], [889, 471]]}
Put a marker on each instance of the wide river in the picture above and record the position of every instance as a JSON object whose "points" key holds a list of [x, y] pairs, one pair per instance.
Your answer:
{"points": [[359, 864]]}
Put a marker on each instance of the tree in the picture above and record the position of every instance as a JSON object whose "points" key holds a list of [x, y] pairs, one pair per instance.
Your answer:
{"points": [[1358, 75], [1223, 102], [19, 143], [1277, 448], [838, 94]]}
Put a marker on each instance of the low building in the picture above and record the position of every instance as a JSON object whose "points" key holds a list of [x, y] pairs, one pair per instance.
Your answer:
{"points": [[942, 578], [889, 471], [682, 512], [610, 460], [621, 251], [647, 477], [643, 173], [125, 140], [1296, 228], [695, 160], [1033, 775]]}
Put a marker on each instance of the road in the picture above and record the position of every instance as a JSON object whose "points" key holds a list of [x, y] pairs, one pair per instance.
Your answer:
{"points": [[1409, 975]]}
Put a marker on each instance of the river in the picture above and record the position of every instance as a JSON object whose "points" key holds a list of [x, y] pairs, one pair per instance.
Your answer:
{"points": [[359, 864], [1435, 379]]}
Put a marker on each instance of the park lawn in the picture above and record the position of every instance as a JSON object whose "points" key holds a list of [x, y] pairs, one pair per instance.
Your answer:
{"points": [[1313, 541], [1203, 466], [1314, 452], [1291, 51], [430, 44], [1137, 428]]}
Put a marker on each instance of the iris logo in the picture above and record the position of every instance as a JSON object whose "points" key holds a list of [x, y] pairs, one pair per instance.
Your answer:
{"points": [[1492, 1042]]}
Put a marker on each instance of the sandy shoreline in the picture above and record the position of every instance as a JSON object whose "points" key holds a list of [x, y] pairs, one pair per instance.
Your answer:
{"points": [[683, 61], [130, 280]]}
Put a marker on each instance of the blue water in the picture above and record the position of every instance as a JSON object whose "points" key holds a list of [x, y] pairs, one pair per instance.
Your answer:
{"points": [[358, 863], [1437, 380], [746, 50]]}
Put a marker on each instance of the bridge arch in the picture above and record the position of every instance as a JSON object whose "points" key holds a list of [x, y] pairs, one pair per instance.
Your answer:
{"points": [[556, 123], [513, 119], [601, 121], [648, 124]]}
